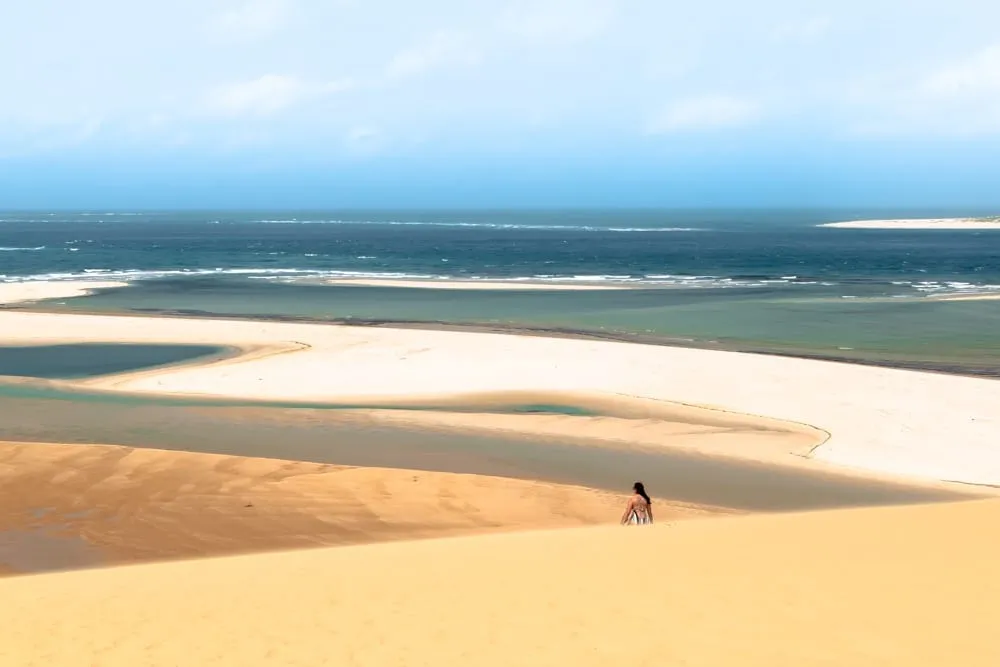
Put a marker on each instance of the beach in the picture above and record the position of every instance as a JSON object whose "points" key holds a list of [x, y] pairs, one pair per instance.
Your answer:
{"points": [[878, 419], [258, 548]]}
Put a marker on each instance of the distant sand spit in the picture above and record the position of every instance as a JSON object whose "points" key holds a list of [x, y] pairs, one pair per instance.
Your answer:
{"points": [[966, 297], [937, 223], [40, 290], [912, 586]]}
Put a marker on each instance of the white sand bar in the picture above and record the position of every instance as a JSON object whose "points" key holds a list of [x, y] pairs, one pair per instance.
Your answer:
{"points": [[938, 223], [934, 426], [50, 289]]}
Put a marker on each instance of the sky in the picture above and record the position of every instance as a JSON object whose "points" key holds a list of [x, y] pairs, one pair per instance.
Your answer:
{"points": [[399, 103]]}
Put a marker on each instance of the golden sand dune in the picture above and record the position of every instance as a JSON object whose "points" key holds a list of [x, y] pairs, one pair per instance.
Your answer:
{"points": [[912, 586], [76, 505]]}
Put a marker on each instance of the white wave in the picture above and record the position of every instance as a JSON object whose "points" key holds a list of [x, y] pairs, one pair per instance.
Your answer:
{"points": [[6, 249], [133, 275], [110, 213], [485, 225], [954, 287], [927, 288]]}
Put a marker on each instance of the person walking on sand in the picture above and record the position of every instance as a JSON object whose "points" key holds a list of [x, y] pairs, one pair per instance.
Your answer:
{"points": [[639, 510]]}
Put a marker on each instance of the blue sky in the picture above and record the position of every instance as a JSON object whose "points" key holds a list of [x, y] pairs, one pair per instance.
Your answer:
{"points": [[499, 102]]}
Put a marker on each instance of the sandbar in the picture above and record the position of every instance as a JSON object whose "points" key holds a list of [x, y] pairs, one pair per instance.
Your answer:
{"points": [[886, 420], [918, 223], [27, 291], [965, 297]]}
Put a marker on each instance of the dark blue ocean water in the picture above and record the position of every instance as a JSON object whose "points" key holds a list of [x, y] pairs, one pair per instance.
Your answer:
{"points": [[701, 248], [754, 280]]}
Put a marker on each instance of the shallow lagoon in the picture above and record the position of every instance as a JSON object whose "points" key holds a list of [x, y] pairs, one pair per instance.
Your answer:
{"points": [[811, 321], [333, 435], [86, 360]]}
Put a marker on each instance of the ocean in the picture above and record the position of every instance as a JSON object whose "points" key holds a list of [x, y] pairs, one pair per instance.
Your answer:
{"points": [[756, 280]]}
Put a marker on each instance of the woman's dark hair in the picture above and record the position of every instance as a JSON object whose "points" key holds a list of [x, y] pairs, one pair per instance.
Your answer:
{"points": [[641, 490]]}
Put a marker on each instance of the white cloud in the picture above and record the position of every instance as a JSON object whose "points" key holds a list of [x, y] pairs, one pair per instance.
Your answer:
{"points": [[974, 76], [250, 20], [269, 94], [961, 98], [442, 49], [803, 30], [46, 137], [705, 113], [559, 21]]}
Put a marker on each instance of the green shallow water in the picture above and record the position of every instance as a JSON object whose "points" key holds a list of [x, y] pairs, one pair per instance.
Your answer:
{"points": [[86, 360], [336, 437], [28, 390], [871, 326]]}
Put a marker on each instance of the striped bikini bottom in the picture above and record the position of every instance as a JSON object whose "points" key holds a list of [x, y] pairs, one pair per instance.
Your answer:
{"points": [[636, 519]]}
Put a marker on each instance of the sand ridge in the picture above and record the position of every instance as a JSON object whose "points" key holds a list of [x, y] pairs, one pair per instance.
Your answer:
{"points": [[117, 504], [906, 586]]}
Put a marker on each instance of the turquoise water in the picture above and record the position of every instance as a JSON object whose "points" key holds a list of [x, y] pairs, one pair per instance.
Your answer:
{"points": [[960, 336], [85, 360], [332, 436], [29, 390], [765, 280]]}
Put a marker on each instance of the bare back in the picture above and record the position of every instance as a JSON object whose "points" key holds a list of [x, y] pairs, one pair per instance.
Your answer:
{"points": [[638, 511]]}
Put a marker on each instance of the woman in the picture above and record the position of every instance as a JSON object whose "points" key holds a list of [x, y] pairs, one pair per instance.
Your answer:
{"points": [[640, 508]]}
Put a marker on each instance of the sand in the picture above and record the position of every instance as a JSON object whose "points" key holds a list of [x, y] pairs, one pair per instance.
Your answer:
{"points": [[87, 505], [912, 586], [938, 223], [890, 421], [39, 290], [908, 586], [650, 425], [965, 297]]}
